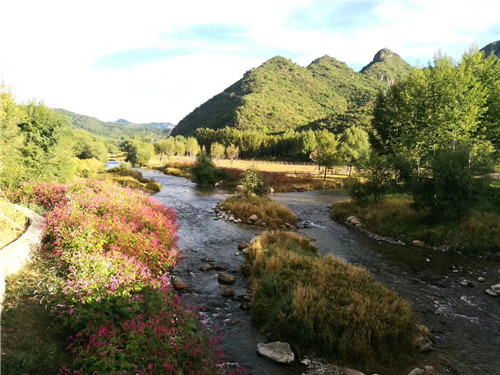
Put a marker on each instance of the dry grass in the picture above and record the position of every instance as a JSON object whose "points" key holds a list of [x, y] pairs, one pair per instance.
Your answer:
{"points": [[274, 214], [8, 231], [395, 216], [28, 345], [131, 179], [325, 306]]}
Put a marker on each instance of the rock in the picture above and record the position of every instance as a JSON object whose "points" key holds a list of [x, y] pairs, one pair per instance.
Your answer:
{"points": [[350, 218], [263, 224], [428, 368], [466, 282], [418, 243], [242, 245], [179, 284], [245, 250], [416, 371], [207, 267], [240, 188], [277, 351], [496, 287], [298, 187], [355, 221], [226, 278], [227, 292], [217, 184], [480, 279], [282, 227], [491, 292], [271, 190], [253, 218], [423, 343], [231, 218], [359, 226], [306, 362]]}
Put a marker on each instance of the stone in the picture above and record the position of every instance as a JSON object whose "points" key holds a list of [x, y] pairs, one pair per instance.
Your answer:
{"points": [[271, 190], [277, 351], [217, 184], [422, 343], [418, 243], [242, 245], [263, 224], [179, 284], [245, 250], [227, 292], [240, 187], [416, 371], [428, 368], [491, 292], [350, 218], [306, 361], [226, 278], [480, 279], [253, 218], [207, 267], [496, 287], [355, 221], [231, 218]]}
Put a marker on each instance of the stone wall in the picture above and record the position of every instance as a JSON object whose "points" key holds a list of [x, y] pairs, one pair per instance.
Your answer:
{"points": [[16, 254]]}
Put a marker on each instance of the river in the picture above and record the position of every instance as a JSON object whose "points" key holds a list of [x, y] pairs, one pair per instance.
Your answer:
{"points": [[443, 288]]}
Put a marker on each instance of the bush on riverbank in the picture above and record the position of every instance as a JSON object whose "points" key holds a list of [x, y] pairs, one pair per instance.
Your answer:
{"points": [[132, 179], [323, 305], [274, 214], [112, 248], [395, 217]]}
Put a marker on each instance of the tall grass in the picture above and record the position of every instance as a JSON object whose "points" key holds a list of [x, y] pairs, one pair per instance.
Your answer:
{"points": [[12, 222], [325, 306], [395, 216], [274, 214]]}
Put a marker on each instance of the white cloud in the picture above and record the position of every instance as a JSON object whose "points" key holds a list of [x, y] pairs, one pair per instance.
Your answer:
{"points": [[48, 47]]}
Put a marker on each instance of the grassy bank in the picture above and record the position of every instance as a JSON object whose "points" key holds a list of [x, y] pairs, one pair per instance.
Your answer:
{"points": [[272, 213], [12, 222], [132, 179], [325, 306], [395, 217]]}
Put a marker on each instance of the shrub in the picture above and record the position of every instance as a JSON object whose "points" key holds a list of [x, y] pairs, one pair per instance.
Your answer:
{"points": [[324, 305], [253, 182], [204, 171]]}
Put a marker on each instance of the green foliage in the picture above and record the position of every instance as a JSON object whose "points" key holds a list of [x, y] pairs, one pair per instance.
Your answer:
{"points": [[327, 154], [232, 151], [138, 151], [217, 151], [204, 171], [387, 66], [323, 305], [378, 176], [354, 146], [253, 182], [88, 146]]}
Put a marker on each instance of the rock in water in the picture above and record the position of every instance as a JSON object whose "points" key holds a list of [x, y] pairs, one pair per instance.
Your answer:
{"points": [[226, 278], [253, 218], [179, 284], [277, 351]]}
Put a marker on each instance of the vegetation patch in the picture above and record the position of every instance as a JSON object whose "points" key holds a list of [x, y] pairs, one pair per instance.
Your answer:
{"points": [[272, 213], [110, 250], [12, 222], [180, 169], [395, 216], [132, 179], [325, 306]]}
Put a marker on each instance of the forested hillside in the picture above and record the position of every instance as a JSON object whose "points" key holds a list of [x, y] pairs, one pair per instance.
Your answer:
{"points": [[120, 129], [280, 95]]}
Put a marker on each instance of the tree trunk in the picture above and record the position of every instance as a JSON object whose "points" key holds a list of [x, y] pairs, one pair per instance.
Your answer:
{"points": [[324, 177]]}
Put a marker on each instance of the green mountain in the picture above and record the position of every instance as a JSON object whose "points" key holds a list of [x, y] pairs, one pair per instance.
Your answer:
{"points": [[120, 129], [493, 47], [387, 67], [281, 95]]}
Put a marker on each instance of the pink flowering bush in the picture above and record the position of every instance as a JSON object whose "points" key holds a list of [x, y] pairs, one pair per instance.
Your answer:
{"points": [[114, 247]]}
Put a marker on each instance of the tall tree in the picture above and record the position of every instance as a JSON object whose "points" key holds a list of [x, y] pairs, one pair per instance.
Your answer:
{"points": [[327, 154], [354, 146]]}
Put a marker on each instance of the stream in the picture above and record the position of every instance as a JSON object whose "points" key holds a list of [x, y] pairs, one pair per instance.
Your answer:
{"points": [[443, 288]]}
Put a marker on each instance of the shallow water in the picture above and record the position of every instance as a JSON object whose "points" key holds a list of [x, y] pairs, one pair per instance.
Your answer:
{"points": [[464, 320]]}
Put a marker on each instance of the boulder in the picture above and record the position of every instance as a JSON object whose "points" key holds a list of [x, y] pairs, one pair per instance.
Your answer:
{"points": [[492, 292], [226, 278], [217, 184], [242, 245], [179, 284], [355, 221], [496, 287], [418, 243], [253, 218], [350, 218], [277, 351]]}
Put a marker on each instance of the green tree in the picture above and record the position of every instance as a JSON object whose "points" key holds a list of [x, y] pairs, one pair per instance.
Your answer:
{"points": [[232, 152], [354, 146], [326, 154], [192, 147], [138, 151], [217, 151], [204, 171]]}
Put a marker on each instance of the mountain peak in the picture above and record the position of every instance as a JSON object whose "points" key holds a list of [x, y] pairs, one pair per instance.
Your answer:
{"points": [[493, 47], [386, 66], [383, 55]]}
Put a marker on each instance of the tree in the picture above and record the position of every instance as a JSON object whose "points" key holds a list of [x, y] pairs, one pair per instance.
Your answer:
{"points": [[204, 170], [354, 146], [165, 147], [217, 151], [232, 152], [326, 154], [138, 151], [192, 146]]}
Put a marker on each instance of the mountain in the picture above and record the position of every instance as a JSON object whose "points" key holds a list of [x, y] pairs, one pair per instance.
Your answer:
{"points": [[281, 95], [387, 66], [119, 129], [493, 47]]}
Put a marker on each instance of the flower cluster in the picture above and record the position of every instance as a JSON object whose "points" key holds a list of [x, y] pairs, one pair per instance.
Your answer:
{"points": [[115, 247]]}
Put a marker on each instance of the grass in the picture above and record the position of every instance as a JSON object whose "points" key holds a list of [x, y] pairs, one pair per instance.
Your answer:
{"points": [[30, 345], [10, 230], [274, 214], [394, 216], [132, 179], [324, 306]]}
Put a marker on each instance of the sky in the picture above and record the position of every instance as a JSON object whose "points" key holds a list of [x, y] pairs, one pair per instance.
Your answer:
{"points": [[148, 61]]}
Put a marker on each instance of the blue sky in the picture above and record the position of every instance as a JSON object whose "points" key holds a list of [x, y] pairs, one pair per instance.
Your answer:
{"points": [[158, 60]]}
